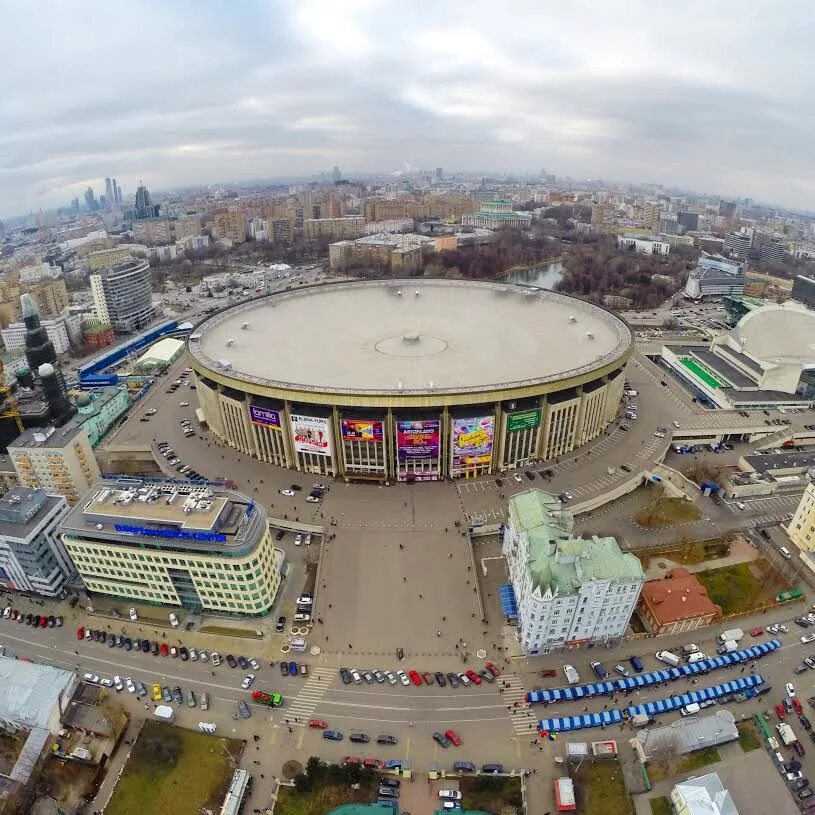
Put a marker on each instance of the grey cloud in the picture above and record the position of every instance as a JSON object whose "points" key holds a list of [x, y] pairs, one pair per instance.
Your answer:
{"points": [[705, 96]]}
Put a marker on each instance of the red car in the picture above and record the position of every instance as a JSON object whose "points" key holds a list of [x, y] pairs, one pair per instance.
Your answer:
{"points": [[492, 669], [43, 621], [549, 672], [428, 678], [415, 678], [352, 760], [375, 763], [164, 650], [453, 736], [756, 632], [798, 747], [319, 723], [779, 709], [80, 633], [473, 676], [796, 703]]}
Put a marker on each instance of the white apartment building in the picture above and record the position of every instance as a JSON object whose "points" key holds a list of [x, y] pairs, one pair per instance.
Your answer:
{"points": [[56, 328], [801, 528], [568, 591], [32, 555], [257, 229], [59, 461], [643, 245]]}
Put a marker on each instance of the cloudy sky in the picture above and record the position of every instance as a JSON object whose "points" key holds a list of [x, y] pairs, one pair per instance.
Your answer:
{"points": [[715, 96]]}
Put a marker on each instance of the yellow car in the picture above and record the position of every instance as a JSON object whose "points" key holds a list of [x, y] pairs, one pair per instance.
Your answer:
{"points": [[157, 693]]}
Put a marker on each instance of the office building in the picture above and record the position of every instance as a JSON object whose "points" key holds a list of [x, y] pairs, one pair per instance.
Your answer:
{"points": [[643, 244], [32, 556], [738, 244], [727, 209], [123, 295], [351, 226], [59, 461], [118, 191], [803, 290], [497, 214], [715, 276], [568, 591], [231, 225], [208, 550], [90, 200], [110, 195], [677, 603], [689, 221], [801, 529], [703, 795], [336, 175], [144, 206]]}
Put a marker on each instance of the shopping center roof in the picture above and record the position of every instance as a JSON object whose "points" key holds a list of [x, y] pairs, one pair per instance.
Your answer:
{"points": [[410, 336]]}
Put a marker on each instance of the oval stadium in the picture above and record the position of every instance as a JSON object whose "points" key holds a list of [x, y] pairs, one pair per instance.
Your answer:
{"points": [[409, 380]]}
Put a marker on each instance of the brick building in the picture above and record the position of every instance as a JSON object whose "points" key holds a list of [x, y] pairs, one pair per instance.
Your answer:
{"points": [[677, 603]]}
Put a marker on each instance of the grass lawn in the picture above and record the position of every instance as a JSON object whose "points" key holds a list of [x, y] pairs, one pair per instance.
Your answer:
{"points": [[661, 806], [683, 764], [689, 553], [748, 737], [248, 633], [173, 771], [491, 794], [322, 800], [668, 512], [600, 790], [742, 586]]}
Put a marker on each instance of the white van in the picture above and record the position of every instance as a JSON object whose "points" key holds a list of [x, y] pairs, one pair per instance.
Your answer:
{"points": [[572, 676], [785, 552], [690, 710], [298, 644], [697, 657], [667, 656]]}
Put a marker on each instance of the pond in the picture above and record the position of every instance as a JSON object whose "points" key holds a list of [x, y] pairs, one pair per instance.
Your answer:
{"points": [[545, 276]]}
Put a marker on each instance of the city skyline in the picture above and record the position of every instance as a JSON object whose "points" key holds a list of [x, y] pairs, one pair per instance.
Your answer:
{"points": [[636, 92]]}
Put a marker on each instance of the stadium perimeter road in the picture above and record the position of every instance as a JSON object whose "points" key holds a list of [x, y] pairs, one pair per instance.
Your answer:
{"points": [[491, 725]]}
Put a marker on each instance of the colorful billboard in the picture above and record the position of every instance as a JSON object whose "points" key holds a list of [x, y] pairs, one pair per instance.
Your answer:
{"points": [[311, 434], [264, 417], [362, 430], [472, 441], [524, 420], [418, 440]]}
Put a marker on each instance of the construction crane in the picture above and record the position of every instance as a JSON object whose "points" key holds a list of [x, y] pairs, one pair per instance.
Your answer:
{"points": [[8, 409]]}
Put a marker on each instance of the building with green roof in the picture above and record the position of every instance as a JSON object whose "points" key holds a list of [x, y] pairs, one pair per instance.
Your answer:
{"points": [[569, 591], [497, 214]]}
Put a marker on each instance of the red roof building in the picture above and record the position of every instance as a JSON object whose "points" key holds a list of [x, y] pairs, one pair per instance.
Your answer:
{"points": [[678, 602]]}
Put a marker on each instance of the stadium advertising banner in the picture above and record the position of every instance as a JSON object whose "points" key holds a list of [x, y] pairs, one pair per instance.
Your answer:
{"points": [[362, 430], [311, 435], [418, 440], [472, 441], [264, 417], [524, 420]]}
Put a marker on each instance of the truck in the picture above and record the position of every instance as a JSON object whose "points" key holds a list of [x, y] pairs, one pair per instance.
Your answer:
{"points": [[200, 417], [728, 647], [164, 713], [786, 733], [734, 634], [269, 699], [572, 676], [641, 719]]}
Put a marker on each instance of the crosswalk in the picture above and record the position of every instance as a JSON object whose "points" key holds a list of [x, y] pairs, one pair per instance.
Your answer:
{"points": [[315, 687], [524, 721]]}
